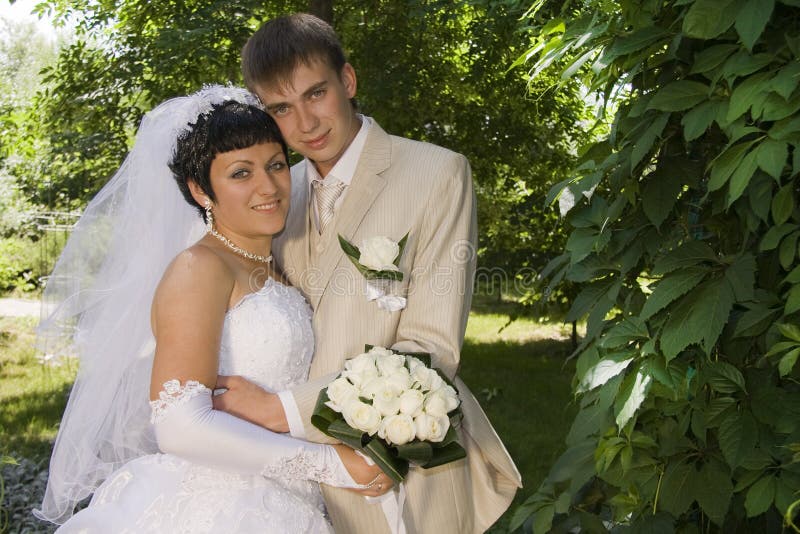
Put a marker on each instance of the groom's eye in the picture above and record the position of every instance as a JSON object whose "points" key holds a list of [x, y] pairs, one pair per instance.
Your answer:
{"points": [[279, 110]]}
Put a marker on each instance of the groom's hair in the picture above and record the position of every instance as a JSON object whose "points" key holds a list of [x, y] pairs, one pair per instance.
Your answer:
{"points": [[272, 54], [228, 126]]}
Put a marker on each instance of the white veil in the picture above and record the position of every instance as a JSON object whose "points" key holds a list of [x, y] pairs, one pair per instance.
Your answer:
{"points": [[101, 291]]}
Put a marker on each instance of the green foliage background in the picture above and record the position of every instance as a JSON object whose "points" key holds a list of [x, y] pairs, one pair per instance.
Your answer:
{"points": [[428, 69], [684, 232]]}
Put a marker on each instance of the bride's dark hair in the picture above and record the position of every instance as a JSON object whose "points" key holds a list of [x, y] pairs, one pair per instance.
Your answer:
{"points": [[227, 126]]}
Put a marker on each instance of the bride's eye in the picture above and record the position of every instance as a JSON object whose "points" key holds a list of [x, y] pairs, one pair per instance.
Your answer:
{"points": [[277, 166], [240, 173]]}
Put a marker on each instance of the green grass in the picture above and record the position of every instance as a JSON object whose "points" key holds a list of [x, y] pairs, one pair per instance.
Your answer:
{"points": [[32, 395], [518, 373], [520, 377]]}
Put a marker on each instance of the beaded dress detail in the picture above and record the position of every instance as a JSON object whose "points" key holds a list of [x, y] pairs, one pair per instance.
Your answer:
{"points": [[266, 338]]}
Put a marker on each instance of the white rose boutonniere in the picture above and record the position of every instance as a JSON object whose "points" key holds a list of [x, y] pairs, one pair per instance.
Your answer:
{"points": [[377, 259], [379, 253]]}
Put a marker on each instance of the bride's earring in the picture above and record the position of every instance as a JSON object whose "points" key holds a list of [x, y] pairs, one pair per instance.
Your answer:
{"points": [[209, 217]]}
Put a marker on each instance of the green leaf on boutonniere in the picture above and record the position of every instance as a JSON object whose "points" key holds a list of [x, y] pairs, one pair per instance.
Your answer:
{"points": [[352, 252], [402, 245]]}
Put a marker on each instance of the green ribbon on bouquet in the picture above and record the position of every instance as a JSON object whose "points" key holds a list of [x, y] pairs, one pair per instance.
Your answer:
{"points": [[394, 460]]}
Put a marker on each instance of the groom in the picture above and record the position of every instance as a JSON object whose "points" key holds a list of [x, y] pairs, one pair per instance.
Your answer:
{"points": [[359, 182]]}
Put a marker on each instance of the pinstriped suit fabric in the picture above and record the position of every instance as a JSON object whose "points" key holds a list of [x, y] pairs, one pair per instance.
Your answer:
{"points": [[401, 186]]}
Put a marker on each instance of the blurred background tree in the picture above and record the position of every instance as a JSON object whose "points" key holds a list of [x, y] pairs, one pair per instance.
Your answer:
{"points": [[431, 70]]}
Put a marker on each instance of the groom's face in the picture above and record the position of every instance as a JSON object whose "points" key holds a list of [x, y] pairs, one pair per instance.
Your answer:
{"points": [[313, 111]]}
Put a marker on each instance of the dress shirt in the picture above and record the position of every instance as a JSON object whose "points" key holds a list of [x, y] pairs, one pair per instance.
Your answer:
{"points": [[343, 170]]}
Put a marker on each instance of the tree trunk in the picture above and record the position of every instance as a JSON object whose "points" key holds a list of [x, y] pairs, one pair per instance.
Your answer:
{"points": [[574, 335], [322, 8]]}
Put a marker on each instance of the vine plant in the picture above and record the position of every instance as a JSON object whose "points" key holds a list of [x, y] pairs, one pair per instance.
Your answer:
{"points": [[684, 229]]}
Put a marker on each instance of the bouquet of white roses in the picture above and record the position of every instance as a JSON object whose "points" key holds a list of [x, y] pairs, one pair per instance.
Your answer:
{"points": [[394, 408]]}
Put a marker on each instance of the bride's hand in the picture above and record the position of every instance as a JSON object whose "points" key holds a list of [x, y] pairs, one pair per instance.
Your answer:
{"points": [[250, 402], [363, 473]]}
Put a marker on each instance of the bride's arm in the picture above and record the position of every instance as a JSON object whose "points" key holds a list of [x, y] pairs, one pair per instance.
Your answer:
{"points": [[188, 313]]}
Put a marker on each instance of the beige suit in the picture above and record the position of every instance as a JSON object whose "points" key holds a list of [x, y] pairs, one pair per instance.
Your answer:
{"points": [[400, 186]]}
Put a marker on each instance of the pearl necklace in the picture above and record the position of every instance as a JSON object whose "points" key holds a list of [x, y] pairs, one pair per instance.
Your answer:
{"points": [[238, 250]]}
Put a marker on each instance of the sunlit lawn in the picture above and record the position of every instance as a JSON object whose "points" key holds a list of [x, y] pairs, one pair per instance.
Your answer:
{"points": [[518, 375], [520, 379], [32, 395]]}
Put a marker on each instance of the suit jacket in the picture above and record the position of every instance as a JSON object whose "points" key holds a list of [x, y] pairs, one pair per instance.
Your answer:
{"points": [[400, 186]]}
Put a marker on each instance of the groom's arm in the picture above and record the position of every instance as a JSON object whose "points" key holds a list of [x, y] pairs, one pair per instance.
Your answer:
{"points": [[278, 412]]}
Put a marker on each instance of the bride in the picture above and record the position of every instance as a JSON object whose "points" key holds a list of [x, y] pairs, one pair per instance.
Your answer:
{"points": [[155, 300]]}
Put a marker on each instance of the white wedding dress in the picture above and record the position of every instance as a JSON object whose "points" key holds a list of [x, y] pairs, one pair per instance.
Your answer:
{"points": [[266, 338]]}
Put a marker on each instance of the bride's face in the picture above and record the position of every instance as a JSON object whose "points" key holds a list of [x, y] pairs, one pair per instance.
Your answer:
{"points": [[253, 189]]}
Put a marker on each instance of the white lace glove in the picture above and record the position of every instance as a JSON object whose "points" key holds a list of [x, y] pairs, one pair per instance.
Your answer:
{"points": [[187, 425]]}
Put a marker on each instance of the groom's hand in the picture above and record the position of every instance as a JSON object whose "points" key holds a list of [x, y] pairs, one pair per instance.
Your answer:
{"points": [[250, 402]]}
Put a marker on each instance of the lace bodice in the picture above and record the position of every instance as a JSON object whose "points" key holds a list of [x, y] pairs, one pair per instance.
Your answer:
{"points": [[267, 338]]}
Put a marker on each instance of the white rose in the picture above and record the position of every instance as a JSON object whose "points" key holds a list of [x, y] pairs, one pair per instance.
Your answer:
{"points": [[436, 404], [436, 381], [398, 429], [372, 386], [361, 363], [389, 363], [340, 392], [450, 397], [430, 428], [377, 351], [413, 363], [424, 377], [378, 253], [360, 370], [386, 402], [411, 402], [400, 379], [362, 416]]}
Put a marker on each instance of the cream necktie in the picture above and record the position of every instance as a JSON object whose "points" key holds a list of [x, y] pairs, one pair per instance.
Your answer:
{"points": [[325, 194]]}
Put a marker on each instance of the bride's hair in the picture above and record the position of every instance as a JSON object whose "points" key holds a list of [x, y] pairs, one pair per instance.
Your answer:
{"points": [[228, 126]]}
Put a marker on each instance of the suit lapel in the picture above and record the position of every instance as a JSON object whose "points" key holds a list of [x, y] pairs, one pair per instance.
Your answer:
{"points": [[364, 189], [295, 238]]}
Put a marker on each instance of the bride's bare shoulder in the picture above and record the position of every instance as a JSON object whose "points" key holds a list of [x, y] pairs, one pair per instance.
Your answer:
{"points": [[198, 274]]}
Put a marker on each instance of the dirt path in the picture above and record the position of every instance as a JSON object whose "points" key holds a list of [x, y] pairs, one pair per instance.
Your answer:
{"points": [[19, 308]]}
